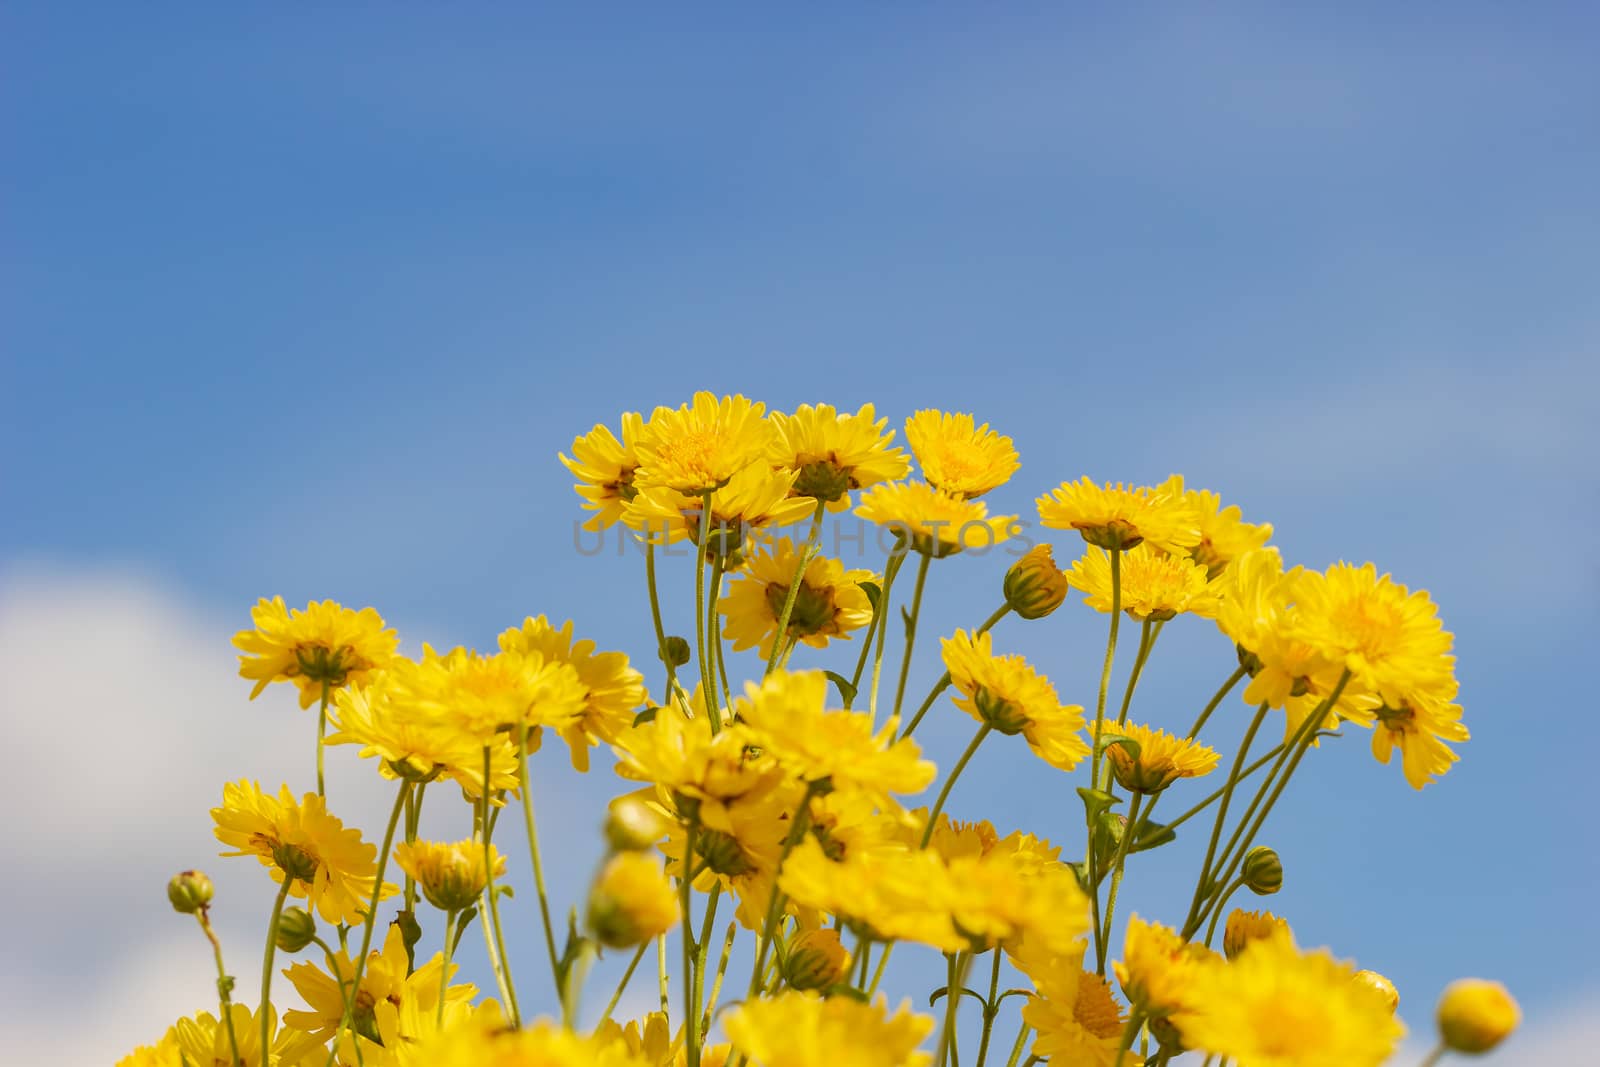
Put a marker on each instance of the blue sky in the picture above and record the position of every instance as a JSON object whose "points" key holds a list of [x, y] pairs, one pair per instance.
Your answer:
{"points": [[305, 302]]}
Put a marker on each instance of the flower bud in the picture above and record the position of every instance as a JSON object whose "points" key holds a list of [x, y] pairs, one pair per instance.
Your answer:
{"points": [[1246, 926], [674, 652], [1263, 871], [1476, 1015], [1035, 586], [631, 901], [816, 960], [1382, 986], [296, 928], [189, 891], [452, 875], [632, 826]]}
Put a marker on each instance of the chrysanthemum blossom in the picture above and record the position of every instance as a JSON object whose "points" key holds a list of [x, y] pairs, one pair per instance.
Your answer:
{"points": [[612, 691], [387, 980], [1006, 693], [934, 523], [1147, 760], [321, 649], [1117, 516], [831, 453], [829, 603], [807, 1030], [452, 874], [1153, 585], [701, 445], [752, 499], [1224, 535], [959, 457], [605, 468]]}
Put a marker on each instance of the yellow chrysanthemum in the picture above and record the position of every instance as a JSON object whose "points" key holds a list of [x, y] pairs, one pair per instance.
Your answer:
{"points": [[828, 604], [1155, 759], [1419, 727], [1155, 585], [203, 1039], [1389, 638], [1158, 969], [753, 498], [953, 840], [1001, 897], [413, 747], [332, 868], [612, 690], [1275, 1006], [164, 1053], [934, 523], [837, 748], [452, 875], [806, 1030], [321, 649], [1475, 1015], [959, 457], [830, 453], [1119, 516], [480, 697], [1244, 927], [1006, 693], [701, 445], [1073, 1011], [605, 468], [631, 901], [741, 855], [386, 979], [485, 1040], [891, 892], [1224, 535]]}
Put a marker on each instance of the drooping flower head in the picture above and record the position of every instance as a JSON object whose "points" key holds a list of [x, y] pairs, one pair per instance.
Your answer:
{"points": [[806, 1030], [1224, 535], [701, 445], [1119, 516], [1158, 969], [326, 645], [1154, 585], [1006, 693], [605, 468], [1146, 760], [452, 875], [829, 603], [203, 1039], [330, 866], [1002, 897], [612, 690], [631, 901], [388, 983], [934, 523], [752, 499], [831, 453], [959, 457]]}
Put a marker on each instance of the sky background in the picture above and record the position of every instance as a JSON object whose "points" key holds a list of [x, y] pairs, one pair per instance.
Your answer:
{"points": [[305, 302]]}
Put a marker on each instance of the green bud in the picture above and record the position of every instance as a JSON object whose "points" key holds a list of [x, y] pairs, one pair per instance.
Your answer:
{"points": [[189, 892], [675, 653], [632, 826], [1035, 586], [296, 928], [1263, 871]]}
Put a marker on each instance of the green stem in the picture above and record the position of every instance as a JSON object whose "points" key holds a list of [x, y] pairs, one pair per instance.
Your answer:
{"points": [[714, 635], [1205, 714], [944, 680], [797, 830], [807, 554], [1212, 798], [877, 974], [1117, 861], [957, 978], [691, 1021], [722, 970], [498, 957], [891, 567], [1234, 778], [911, 633], [1105, 671], [266, 964], [1016, 1049], [224, 982], [1147, 642], [322, 729], [990, 1009], [955, 772], [655, 617], [883, 631], [707, 682], [1435, 1056], [702, 949], [1216, 913], [1129, 1032], [661, 971], [627, 975], [444, 971], [538, 867]]}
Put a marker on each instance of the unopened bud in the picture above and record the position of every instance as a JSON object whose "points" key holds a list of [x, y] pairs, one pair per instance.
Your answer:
{"points": [[632, 825], [1035, 586], [1476, 1015], [296, 928], [674, 651], [189, 892], [1245, 927], [1382, 986], [1263, 871], [816, 960], [631, 902]]}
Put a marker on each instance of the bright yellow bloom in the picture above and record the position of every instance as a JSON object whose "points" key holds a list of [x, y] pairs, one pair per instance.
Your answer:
{"points": [[831, 453], [1156, 758], [934, 523], [804, 1030], [1119, 516], [1419, 728], [958, 457], [888, 892], [333, 869], [997, 899], [485, 1040], [605, 468], [416, 748], [1476, 1015], [385, 981], [1224, 535], [452, 876], [1077, 1018], [952, 840], [1006, 693], [480, 697], [326, 645], [1155, 586], [816, 959], [163, 1053], [612, 690], [631, 901], [203, 1039], [1275, 1006], [701, 445], [839, 748], [753, 498], [829, 603], [1244, 927], [1034, 585], [1158, 969]]}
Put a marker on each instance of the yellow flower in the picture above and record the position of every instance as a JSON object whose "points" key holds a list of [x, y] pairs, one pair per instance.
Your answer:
{"points": [[1077, 1018], [1383, 987], [701, 445], [836, 749], [958, 457], [1420, 729], [886, 892], [1224, 535], [1155, 586], [1034, 586], [387, 982], [1275, 1006], [452, 876], [485, 1040], [631, 901], [1117, 516], [325, 645], [612, 690], [203, 1039], [934, 523], [816, 959], [414, 748], [480, 697], [163, 1053], [829, 602], [804, 1030], [1156, 758], [1244, 927], [1006, 693], [332, 868], [1476, 1015], [605, 468], [1004, 896], [830, 453], [753, 498], [951, 840], [1158, 969]]}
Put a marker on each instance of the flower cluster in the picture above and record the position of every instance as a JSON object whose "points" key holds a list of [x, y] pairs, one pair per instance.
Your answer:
{"points": [[797, 796]]}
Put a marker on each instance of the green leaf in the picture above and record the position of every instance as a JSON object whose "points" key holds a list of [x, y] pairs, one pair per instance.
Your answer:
{"points": [[873, 592], [1152, 835], [847, 692], [462, 922], [647, 715], [1096, 801]]}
